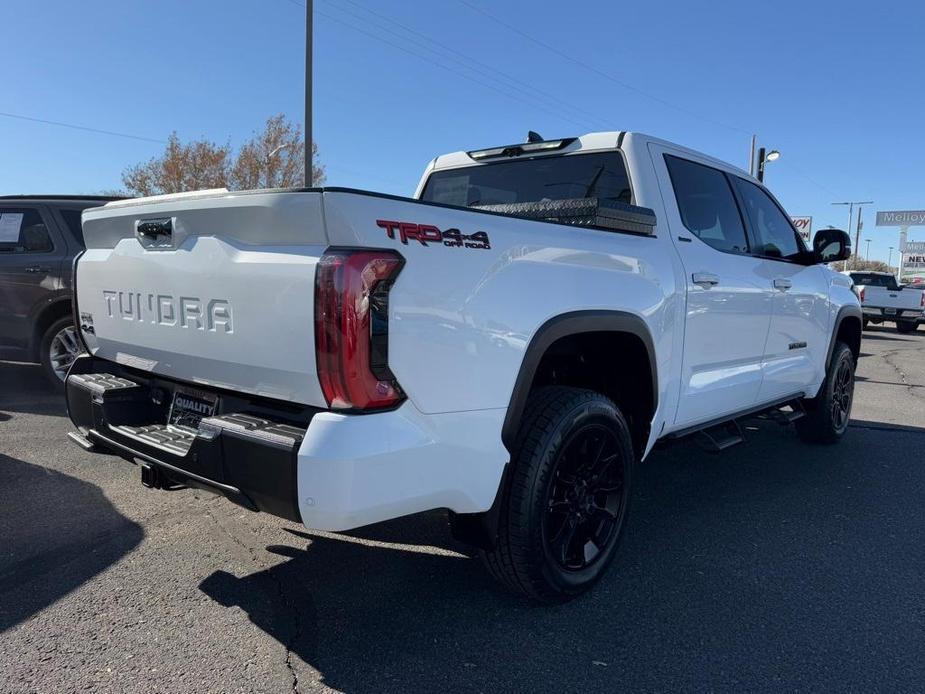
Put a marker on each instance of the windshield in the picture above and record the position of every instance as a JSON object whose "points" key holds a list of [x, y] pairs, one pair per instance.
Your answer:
{"points": [[601, 175], [871, 280]]}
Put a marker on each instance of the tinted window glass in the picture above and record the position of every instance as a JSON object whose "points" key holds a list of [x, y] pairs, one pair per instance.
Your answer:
{"points": [[601, 175], [22, 230], [72, 219], [774, 235], [707, 206], [870, 280]]}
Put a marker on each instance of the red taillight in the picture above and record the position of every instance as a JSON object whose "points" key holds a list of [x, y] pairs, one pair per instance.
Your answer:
{"points": [[351, 328], [922, 300], [861, 295]]}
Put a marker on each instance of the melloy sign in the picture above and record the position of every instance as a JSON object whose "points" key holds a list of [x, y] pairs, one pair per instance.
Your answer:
{"points": [[915, 256], [804, 225], [901, 218]]}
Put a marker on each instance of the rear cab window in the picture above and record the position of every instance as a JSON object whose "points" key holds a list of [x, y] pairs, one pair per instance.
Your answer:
{"points": [[872, 280], [599, 175]]}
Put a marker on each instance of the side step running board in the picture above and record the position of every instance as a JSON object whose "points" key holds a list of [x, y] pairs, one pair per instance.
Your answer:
{"points": [[721, 434], [720, 437]]}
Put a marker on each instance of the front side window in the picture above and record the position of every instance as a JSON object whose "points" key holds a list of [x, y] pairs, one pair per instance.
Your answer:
{"points": [[599, 175], [774, 235], [707, 205], [22, 230]]}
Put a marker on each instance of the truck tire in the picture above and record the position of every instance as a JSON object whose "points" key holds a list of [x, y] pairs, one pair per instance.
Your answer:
{"points": [[827, 414], [566, 504], [906, 326], [58, 348]]}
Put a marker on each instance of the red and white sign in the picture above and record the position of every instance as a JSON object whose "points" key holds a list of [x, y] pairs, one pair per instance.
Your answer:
{"points": [[805, 226]]}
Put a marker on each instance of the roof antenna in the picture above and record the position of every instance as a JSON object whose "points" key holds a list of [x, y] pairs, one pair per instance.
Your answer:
{"points": [[534, 136]]}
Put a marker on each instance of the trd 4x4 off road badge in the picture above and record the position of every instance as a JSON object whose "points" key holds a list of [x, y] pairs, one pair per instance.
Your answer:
{"points": [[428, 233]]}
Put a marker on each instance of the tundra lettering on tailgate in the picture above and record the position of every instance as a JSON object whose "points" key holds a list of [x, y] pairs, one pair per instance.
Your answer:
{"points": [[428, 233], [188, 312]]}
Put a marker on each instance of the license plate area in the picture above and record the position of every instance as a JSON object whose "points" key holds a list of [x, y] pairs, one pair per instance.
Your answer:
{"points": [[189, 407], [889, 311]]}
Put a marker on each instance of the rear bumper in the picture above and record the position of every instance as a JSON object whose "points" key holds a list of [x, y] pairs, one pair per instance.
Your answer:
{"points": [[879, 313], [330, 471]]}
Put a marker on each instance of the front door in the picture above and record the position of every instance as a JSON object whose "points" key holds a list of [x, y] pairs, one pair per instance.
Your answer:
{"points": [[799, 337], [728, 295]]}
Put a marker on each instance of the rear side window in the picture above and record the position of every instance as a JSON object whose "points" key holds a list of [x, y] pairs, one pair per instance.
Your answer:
{"points": [[22, 230], [774, 235], [599, 175], [72, 219], [707, 205]]}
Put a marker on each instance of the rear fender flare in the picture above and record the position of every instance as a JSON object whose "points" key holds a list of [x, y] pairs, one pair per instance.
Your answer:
{"points": [[562, 326]]}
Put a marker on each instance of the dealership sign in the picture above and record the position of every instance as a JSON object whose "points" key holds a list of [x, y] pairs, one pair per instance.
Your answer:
{"points": [[804, 225], [901, 218], [915, 256]]}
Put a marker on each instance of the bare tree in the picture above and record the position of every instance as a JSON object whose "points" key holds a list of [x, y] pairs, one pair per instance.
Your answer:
{"points": [[858, 263], [273, 158], [193, 166]]}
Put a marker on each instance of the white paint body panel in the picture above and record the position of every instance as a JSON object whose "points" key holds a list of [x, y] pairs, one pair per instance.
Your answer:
{"points": [[460, 322]]}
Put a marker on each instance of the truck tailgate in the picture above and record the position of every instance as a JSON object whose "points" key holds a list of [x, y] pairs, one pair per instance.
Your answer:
{"points": [[214, 288]]}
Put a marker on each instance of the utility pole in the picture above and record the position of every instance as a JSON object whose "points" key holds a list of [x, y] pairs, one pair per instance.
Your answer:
{"points": [[309, 11], [751, 156], [857, 238]]}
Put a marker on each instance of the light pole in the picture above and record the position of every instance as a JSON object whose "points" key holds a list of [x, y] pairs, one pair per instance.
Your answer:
{"points": [[867, 254], [857, 236], [309, 12], [889, 262], [764, 157]]}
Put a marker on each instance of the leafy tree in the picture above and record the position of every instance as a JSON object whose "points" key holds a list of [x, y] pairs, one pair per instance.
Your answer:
{"points": [[273, 158]]}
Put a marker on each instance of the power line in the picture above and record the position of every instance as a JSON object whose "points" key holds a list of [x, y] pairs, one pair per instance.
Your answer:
{"points": [[598, 72], [430, 60], [483, 68], [81, 127]]}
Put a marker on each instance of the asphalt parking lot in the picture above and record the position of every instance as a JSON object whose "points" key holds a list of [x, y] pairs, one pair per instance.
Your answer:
{"points": [[773, 567]]}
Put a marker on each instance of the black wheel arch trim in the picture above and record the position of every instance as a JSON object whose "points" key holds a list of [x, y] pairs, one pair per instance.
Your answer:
{"points": [[563, 325], [844, 312]]}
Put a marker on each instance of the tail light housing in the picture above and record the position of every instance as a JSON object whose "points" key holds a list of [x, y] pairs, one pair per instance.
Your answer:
{"points": [[922, 300], [861, 294], [351, 328]]}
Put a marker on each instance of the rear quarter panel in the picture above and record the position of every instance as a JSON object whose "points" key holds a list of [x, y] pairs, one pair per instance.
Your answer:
{"points": [[461, 318]]}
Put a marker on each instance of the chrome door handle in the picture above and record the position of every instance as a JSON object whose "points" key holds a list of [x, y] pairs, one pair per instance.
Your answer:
{"points": [[37, 268], [783, 284], [705, 279]]}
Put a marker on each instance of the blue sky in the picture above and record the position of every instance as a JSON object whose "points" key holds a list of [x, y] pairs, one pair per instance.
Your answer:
{"points": [[835, 86]]}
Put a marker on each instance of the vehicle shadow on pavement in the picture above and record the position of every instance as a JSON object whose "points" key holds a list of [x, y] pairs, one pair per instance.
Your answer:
{"points": [[771, 568], [24, 388], [56, 532]]}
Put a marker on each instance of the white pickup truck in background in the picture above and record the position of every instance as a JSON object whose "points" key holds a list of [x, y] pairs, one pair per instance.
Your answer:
{"points": [[506, 345], [884, 299]]}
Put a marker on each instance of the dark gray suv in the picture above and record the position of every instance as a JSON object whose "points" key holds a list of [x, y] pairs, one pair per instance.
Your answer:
{"points": [[39, 237]]}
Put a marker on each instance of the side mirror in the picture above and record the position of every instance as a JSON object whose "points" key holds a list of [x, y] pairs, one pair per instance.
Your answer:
{"points": [[830, 245]]}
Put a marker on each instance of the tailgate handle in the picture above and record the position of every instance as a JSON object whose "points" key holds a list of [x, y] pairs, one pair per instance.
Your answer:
{"points": [[155, 228], [154, 231]]}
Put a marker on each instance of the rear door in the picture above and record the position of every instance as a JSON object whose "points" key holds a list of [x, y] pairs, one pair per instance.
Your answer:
{"points": [[728, 295], [798, 339], [31, 253]]}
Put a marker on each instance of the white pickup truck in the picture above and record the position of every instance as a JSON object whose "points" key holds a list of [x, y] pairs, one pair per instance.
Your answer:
{"points": [[506, 345], [883, 299]]}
